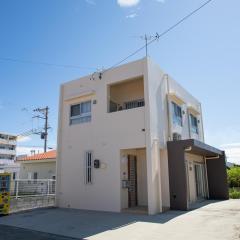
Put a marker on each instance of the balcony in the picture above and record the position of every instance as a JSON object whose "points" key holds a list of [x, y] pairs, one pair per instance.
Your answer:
{"points": [[126, 95], [4, 162], [7, 141], [7, 152]]}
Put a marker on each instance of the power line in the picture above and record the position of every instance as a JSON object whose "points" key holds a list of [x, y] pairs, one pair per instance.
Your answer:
{"points": [[158, 36], [44, 63]]}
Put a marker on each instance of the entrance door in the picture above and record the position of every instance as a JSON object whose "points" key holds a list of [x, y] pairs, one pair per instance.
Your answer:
{"points": [[132, 178], [200, 178]]}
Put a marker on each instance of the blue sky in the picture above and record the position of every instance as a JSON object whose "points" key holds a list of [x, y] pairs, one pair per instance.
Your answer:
{"points": [[202, 54]]}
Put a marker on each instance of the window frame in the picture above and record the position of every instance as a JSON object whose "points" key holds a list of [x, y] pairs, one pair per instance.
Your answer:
{"points": [[175, 118], [81, 115], [194, 129]]}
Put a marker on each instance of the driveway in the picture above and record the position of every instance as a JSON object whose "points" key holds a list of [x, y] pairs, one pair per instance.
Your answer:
{"points": [[215, 220]]}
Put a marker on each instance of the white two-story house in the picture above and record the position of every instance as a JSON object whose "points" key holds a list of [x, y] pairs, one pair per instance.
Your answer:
{"points": [[132, 138]]}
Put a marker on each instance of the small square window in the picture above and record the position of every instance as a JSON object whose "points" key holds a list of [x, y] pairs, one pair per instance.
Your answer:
{"points": [[80, 113]]}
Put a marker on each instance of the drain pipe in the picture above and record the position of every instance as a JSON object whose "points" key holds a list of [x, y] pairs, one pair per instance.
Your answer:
{"points": [[203, 137], [206, 176], [168, 109], [189, 126]]}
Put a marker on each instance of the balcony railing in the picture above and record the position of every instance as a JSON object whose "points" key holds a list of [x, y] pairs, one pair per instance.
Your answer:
{"points": [[7, 151], [115, 107], [6, 141], [134, 104]]}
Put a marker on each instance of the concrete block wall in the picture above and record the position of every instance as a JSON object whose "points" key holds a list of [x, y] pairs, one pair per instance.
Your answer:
{"points": [[28, 203]]}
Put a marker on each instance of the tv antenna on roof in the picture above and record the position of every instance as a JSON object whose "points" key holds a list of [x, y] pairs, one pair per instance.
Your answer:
{"points": [[148, 39]]}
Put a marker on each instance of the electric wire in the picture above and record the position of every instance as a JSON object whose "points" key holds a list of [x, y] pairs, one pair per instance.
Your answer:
{"points": [[44, 63], [158, 36]]}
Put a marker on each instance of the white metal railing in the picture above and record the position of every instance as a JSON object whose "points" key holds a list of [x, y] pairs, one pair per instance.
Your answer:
{"points": [[115, 107], [134, 104], [33, 187]]}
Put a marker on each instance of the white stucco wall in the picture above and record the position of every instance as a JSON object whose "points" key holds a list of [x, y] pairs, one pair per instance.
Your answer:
{"points": [[109, 133], [45, 170], [159, 87], [105, 135]]}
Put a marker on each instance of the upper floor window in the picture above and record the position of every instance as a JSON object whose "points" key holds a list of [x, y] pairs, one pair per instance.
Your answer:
{"points": [[176, 114], [80, 113], [193, 124]]}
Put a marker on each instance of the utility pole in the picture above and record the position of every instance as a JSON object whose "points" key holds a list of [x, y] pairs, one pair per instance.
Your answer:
{"points": [[46, 129], [44, 115]]}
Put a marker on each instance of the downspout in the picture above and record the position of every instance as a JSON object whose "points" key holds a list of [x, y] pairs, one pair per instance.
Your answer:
{"points": [[168, 109], [206, 176], [189, 128], [200, 105], [188, 149]]}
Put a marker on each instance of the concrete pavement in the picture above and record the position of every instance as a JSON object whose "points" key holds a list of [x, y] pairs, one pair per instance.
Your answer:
{"points": [[215, 220]]}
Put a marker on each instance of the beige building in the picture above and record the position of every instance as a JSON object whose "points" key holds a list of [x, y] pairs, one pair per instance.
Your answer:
{"points": [[38, 166], [118, 136]]}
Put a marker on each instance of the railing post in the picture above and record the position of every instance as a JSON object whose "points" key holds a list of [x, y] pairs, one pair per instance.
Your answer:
{"points": [[17, 186], [48, 185]]}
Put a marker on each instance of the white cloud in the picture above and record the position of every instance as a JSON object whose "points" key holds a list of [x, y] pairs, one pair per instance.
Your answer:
{"points": [[132, 15], [128, 3], [24, 139], [92, 2], [232, 151]]}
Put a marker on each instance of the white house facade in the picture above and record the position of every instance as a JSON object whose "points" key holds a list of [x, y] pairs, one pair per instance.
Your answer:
{"points": [[117, 135]]}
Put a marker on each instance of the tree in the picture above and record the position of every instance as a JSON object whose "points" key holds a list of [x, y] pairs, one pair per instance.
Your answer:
{"points": [[234, 177]]}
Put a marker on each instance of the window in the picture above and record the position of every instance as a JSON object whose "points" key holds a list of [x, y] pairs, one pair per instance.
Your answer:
{"points": [[80, 113], [14, 175], [177, 114], [88, 167], [35, 176], [193, 124]]}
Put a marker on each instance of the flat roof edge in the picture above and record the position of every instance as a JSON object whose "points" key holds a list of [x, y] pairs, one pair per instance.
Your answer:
{"points": [[196, 144]]}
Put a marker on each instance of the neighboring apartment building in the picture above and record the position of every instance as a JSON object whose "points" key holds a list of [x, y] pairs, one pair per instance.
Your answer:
{"points": [[38, 166], [134, 138], [8, 143]]}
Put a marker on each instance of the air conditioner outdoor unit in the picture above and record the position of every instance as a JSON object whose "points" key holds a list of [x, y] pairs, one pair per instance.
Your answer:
{"points": [[177, 137]]}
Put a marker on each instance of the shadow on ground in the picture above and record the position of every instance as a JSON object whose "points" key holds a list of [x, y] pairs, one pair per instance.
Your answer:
{"points": [[82, 223], [14, 233]]}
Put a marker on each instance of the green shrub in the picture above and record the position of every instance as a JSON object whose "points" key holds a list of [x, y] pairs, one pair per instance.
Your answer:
{"points": [[234, 177], [234, 194]]}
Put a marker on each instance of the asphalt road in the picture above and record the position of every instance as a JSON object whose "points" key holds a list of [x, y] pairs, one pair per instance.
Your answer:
{"points": [[15, 233]]}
